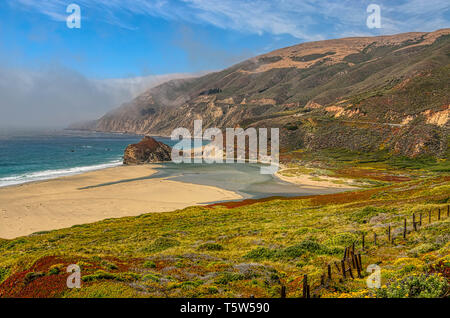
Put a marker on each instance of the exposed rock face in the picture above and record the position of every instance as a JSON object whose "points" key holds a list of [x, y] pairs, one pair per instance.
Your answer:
{"points": [[148, 150], [360, 94]]}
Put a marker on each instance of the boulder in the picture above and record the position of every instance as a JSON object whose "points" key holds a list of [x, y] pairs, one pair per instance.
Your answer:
{"points": [[148, 150]]}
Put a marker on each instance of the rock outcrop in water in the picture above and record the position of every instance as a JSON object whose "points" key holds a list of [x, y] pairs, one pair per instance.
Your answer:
{"points": [[148, 150]]}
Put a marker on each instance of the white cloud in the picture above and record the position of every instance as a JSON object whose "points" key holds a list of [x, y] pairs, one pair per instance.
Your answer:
{"points": [[55, 96], [303, 19], [59, 96]]}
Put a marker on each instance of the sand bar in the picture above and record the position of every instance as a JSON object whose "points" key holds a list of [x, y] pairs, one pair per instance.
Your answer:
{"points": [[60, 203], [307, 181]]}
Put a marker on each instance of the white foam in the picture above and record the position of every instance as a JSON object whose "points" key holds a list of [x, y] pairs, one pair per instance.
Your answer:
{"points": [[52, 174]]}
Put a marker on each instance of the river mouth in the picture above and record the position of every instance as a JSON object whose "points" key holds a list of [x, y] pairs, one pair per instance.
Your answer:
{"points": [[242, 178]]}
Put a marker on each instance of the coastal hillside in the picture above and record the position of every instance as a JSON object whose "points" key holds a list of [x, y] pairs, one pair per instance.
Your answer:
{"points": [[364, 94], [253, 247]]}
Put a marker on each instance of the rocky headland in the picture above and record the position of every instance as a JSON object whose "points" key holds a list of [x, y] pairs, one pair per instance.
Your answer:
{"points": [[148, 150]]}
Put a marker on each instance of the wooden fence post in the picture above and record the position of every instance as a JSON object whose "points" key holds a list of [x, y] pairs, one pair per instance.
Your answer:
{"points": [[359, 261], [389, 233], [305, 286], [350, 272], [439, 214], [358, 265], [283, 291], [329, 271], [337, 267], [343, 268], [375, 238], [363, 240], [404, 229], [353, 261], [307, 292]]}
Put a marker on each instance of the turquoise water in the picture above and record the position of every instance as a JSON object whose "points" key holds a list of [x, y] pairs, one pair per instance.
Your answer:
{"points": [[39, 155], [242, 178]]}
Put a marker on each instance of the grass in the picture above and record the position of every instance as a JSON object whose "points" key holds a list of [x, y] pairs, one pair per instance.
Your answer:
{"points": [[251, 249], [375, 168]]}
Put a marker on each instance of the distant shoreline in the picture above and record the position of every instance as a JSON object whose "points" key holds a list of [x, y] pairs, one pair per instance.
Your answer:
{"points": [[61, 173]]}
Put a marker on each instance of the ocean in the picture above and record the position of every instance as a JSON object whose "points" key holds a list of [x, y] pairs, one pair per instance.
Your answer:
{"points": [[27, 156], [34, 155], [242, 178]]}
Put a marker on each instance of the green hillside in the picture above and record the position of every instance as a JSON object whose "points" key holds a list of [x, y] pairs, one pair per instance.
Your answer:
{"points": [[247, 248], [360, 94]]}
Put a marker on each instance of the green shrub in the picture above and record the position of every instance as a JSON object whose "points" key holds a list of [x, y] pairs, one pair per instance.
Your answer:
{"points": [[151, 277], [261, 253], [421, 286], [190, 284], [4, 272], [290, 252], [305, 246], [149, 264], [100, 275], [109, 265], [161, 244], [55, 269], [364, 215], [291, 127], [210, 290], [83, 265], [96, 259], [342, 239], [16, 242], [210, 247], [421, 249], [228, 277], [408, 268], [29, 277]]}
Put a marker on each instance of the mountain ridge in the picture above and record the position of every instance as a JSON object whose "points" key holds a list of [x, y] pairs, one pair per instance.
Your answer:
{"points": [[386, 93]]}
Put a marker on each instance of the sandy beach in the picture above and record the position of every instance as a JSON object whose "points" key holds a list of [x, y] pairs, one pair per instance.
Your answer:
{"points": [[112, 193], [307, 181], [63, 202]]}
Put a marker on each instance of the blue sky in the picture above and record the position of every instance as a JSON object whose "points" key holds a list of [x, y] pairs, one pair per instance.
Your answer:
{"points": [[130, 38], [56, 75]]}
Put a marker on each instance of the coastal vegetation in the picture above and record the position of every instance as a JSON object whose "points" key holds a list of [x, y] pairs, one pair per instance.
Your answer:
{"points": [[254, 247], [366, 115], [366, 94]]}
